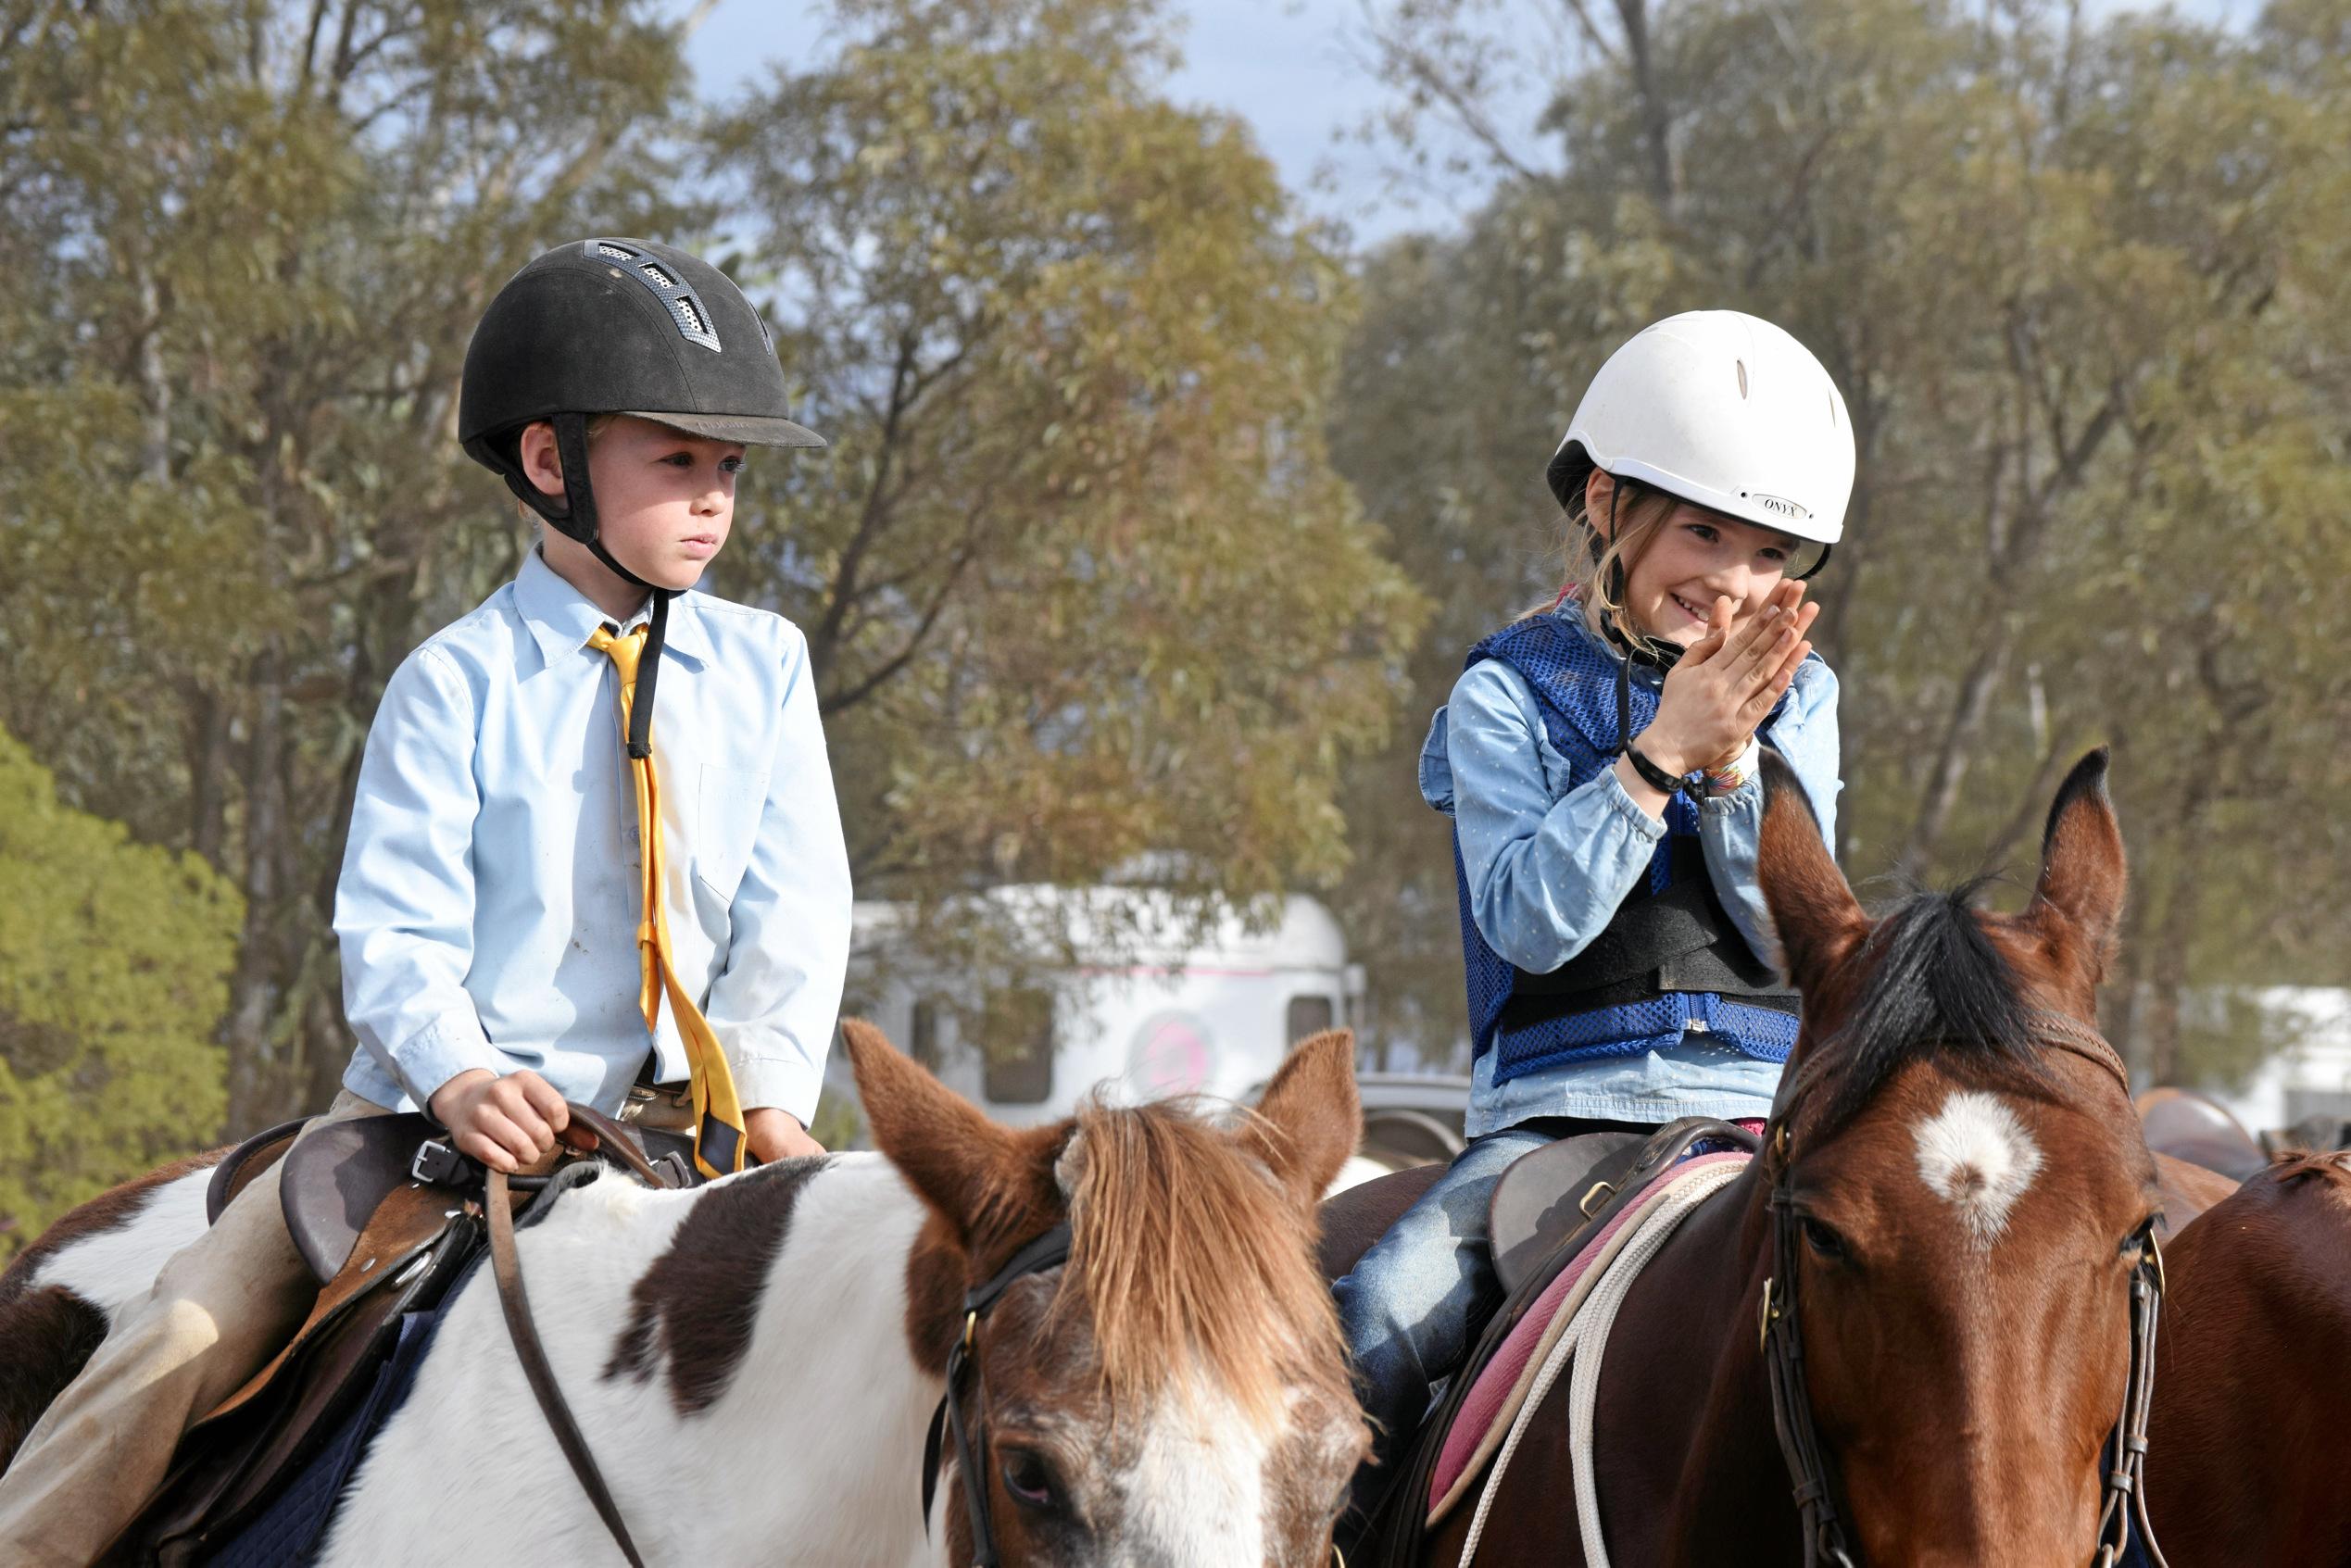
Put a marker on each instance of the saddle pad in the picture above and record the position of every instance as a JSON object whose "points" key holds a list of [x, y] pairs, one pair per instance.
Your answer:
{"points": [[1501, 1384], [286, 1533]]}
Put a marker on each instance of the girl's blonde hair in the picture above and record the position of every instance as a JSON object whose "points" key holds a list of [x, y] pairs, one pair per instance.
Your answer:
{"points": [[1591, 558]]}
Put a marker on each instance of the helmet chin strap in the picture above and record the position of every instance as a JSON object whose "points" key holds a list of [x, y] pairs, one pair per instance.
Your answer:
{"points": [[575, 517]]}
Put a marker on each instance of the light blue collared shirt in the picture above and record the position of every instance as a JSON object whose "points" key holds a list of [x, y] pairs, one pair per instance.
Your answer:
{"points": [[1548, 864], [487, 909]]}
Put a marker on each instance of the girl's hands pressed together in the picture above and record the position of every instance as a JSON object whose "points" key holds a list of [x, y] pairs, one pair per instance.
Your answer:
{"points": [[1728, 682]]}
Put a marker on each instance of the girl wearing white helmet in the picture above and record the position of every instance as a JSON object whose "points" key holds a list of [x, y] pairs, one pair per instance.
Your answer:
{"points": [[1597, 758]]}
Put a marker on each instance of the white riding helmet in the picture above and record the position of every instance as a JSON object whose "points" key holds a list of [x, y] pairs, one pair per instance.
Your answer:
{"points": [[1724, 409]]}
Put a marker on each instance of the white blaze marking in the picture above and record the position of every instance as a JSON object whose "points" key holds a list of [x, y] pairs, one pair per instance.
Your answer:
{"points": [[1976, 1154]]}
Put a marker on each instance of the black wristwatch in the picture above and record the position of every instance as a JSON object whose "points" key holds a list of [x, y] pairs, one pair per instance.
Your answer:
{"points": [[1653, 775]]}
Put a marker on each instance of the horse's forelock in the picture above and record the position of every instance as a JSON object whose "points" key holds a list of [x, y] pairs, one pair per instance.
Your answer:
{"points": [[1933, 981], [1192, 1263]]}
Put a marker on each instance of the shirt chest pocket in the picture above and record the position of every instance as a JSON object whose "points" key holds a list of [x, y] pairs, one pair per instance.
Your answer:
{"points": [[727, 825]]}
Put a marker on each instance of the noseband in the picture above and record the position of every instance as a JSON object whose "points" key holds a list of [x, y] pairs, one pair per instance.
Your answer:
{"points": [[967, 1389], [1825, 1538]]}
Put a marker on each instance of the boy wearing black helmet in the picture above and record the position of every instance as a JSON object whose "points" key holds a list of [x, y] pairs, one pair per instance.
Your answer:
{"points": [[545, 894]]}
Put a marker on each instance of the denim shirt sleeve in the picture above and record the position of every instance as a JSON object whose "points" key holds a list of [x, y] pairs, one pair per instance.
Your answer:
{"points": [[404, 903], [1545, 875], [774, 1004], [1730, 826]]}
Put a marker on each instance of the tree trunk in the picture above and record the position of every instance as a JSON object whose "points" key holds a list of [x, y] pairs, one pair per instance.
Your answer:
{"points": [[254, 990], [1657, 123], [1950, 765], [208, 743]]}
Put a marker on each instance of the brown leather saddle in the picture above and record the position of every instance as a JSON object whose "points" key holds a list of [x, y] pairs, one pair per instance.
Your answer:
{"points": [[389, 1218], [1549, 1201], [2195, 1127]]}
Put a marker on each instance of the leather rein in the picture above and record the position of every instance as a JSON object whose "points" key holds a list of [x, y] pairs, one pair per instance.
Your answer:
{"points": [[1825, 1538], [612, 1143]]}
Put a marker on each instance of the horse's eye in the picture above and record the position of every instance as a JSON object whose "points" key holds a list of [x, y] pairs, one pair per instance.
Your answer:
{"points": [[1029, 1479], [1823, 1240], [2135, 1245]]}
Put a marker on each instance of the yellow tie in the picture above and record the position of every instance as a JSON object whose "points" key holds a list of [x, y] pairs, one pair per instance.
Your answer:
{"points": [[717, 1114]]}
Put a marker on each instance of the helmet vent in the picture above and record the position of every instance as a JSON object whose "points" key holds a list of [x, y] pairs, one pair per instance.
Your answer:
{"points": [[1742, 376], [686, 308]]}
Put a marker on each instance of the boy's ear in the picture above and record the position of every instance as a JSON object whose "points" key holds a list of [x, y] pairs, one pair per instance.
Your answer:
{"points": [[542, 463]]}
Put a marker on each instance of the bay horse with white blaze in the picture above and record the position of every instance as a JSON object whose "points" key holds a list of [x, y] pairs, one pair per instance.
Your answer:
{"points": [[756, 1363], [1951, 1209]]}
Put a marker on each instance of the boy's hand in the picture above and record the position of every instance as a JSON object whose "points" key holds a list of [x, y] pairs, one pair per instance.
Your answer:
{"points": [[503, 1122], [777, 1134]]}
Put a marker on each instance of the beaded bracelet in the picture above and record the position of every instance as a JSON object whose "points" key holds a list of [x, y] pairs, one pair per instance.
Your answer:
{"points": [[1732, 779]]}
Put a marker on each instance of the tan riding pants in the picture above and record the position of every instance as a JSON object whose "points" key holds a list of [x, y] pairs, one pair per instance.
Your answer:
{"points": [[223, 1305]]}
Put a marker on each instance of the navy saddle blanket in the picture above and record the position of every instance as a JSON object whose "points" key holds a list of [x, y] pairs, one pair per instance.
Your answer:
{"points": [[286, 1534]]}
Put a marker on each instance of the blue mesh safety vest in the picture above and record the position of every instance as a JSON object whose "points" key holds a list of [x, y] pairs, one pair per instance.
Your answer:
{"points": [[1671, 957]]}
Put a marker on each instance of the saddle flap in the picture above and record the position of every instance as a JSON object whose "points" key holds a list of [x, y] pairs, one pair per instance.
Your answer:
{"points": [[233, 1459], [338, 1176], [246, 1161], [1550, 1193]]}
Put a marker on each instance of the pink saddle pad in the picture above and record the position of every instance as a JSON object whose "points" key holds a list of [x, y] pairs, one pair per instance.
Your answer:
{"points": [[1489, 1402]]}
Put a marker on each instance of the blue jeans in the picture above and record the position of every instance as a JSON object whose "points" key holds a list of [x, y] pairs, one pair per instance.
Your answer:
{"points": [[1414, 1301]]}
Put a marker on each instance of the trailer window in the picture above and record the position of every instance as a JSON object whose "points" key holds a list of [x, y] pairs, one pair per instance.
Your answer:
{"points": [[1308, 1015], [1016, 1034], [923, 1034]]}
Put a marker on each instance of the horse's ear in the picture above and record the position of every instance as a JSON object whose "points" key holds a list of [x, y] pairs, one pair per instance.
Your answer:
{"points": [[2077, 904], [980, 1178], [1308, 1119], [1813, 910]]}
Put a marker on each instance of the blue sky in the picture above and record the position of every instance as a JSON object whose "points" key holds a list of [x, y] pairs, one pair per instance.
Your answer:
{"points": [[1284, 66], [1281, 65]]}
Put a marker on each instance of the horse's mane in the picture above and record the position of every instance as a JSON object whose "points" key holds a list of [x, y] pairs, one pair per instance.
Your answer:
{"points": [[1186, 1252], [2332, 1165], [1935, 983]]}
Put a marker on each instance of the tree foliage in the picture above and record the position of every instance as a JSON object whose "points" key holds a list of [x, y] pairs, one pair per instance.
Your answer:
{"points": [[1080, 581], [114, 965], [2083, 286], [1079, 578]]}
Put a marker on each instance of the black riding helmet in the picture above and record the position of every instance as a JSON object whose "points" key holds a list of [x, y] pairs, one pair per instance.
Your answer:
{"points": [[614, 326]]}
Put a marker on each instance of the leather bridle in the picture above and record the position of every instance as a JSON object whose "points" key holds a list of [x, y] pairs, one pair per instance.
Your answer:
{"points": [[1782, 1338], [967, 1390]]}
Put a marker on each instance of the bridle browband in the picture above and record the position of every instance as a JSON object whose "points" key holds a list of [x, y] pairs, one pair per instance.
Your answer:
{"points": [[1782, 1343], [1047, 1252]]}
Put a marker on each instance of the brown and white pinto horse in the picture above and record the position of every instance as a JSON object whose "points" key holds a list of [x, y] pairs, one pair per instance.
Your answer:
{"points": [[1972, 1203], [755, 1362]]}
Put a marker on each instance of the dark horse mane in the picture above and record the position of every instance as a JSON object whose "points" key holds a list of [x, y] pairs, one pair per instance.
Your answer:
{"points": [[1935, 983]]}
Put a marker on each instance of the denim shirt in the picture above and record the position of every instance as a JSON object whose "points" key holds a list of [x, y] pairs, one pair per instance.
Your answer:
{"points": [[1548, 865], [488, 904]]}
